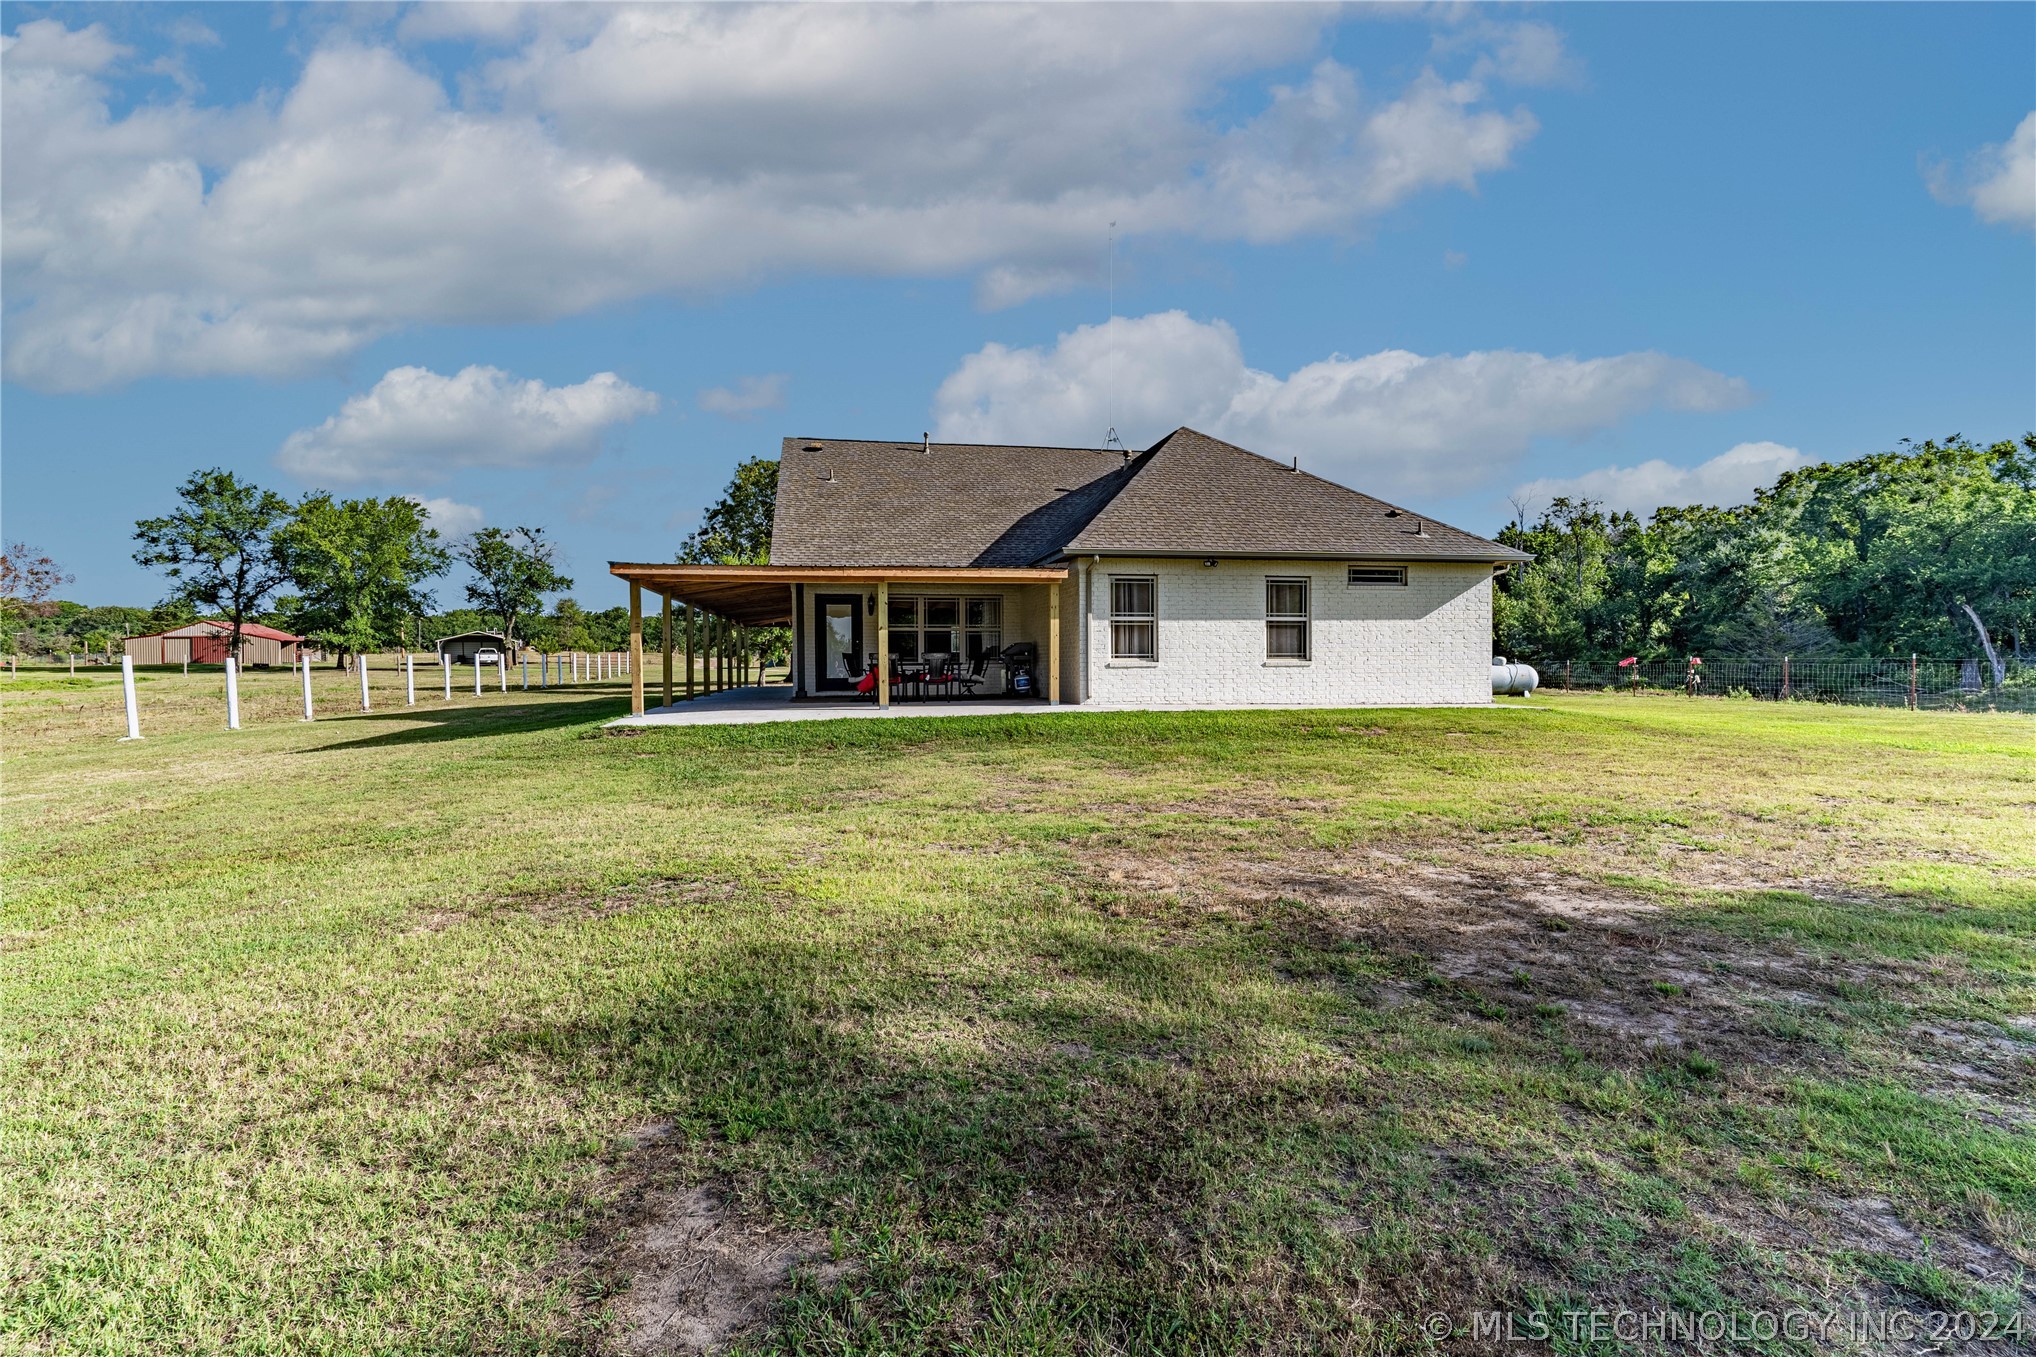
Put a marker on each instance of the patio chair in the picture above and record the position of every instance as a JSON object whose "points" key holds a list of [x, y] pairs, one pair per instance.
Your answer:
{"points": [[973, 679], [939, 676]]}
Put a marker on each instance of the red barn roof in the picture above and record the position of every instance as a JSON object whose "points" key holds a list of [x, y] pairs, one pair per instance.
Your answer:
{"points": [[212, 626]]}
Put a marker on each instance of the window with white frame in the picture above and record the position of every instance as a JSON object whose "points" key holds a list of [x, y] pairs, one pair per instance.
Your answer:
{"points": [[985, 625], [1286, 619], [932, 625], [1134, 617]]}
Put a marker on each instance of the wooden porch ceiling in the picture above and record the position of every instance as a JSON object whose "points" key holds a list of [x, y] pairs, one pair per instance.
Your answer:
{"points": [[761, 595]]}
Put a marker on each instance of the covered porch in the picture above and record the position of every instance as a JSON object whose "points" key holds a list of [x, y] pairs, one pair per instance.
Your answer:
{"points": [[844, 619]]}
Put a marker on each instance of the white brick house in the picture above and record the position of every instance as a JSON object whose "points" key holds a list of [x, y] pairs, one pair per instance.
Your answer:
{"points": [[1193, 573]]}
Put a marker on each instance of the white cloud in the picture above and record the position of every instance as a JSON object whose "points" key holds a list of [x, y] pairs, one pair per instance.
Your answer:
{"points": [[452, 519], [419, 425], [1524, 54], [1727, 479], [747, 397], [614, 153], [1999, 182], [46, 45], [188, 30], [1391, 421]]}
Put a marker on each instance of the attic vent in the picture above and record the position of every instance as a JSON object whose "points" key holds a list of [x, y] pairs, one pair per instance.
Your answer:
{"points": [[811, 447], [1392, 513], [1377, 574]]}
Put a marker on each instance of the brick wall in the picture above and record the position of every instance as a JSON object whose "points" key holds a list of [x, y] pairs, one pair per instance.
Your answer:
{"points": [[1427, 643]]}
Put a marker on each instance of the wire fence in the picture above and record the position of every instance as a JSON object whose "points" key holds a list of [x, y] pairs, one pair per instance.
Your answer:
{"points": [[1920, 684]]}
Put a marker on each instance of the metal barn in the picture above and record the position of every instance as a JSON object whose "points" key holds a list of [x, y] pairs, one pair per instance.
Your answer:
{"points": [[205, 642], [462, 648]]}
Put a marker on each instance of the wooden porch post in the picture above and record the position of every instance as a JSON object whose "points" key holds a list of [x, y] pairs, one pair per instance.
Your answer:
{"points": [[883, 643], [1053, 644], [665, 640], [798, 674], [689, 652], [635, 648]]}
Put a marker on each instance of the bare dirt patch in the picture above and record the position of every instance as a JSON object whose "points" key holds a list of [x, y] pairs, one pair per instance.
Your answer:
{"points": [[699, 1273], [1635, 981], [1631, 979], [663, 893], [687, 1269]]}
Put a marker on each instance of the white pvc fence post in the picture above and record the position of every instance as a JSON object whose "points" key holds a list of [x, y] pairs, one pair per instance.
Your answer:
{"points": [[127, 692], [409, 679], [232, 694], [543, 664], [446, 664], [502, 673], [526, 671], [304, 664], [362, 665], [477, 676]]}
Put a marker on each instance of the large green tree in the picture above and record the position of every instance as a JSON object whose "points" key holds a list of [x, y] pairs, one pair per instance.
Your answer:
{"points": [[513, 570], [28, 576], [359, 567], [736, 529], [1930, 548], [218, 546]]}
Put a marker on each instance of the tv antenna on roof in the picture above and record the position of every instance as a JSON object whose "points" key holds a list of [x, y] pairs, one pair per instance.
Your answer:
{"points": [[1110, 439]]}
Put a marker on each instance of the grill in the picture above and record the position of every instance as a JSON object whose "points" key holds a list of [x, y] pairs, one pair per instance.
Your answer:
{"points": [[1020, 659]]}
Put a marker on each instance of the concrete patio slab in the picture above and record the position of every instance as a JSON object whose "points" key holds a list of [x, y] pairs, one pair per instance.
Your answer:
{"points": [[754, 705], [773, 702]]}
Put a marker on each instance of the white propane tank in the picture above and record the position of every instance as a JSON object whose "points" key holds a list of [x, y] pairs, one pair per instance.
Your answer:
{"points": [[1513, 680]]}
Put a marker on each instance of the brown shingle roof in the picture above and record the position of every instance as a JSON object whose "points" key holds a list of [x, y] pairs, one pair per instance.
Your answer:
{"points": [[854, 503], [1192, 494], [846, 502]]}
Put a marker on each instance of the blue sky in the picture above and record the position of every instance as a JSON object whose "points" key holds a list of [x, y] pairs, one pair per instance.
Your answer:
{"points": [[565, 267]]}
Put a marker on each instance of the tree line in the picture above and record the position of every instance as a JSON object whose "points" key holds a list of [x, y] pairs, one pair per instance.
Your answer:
{"points": [[1929, 550], [350, 575], [353, 575]]}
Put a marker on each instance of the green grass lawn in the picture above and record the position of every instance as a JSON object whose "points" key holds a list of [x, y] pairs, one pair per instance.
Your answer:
{"points": [[472, 1027]]}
